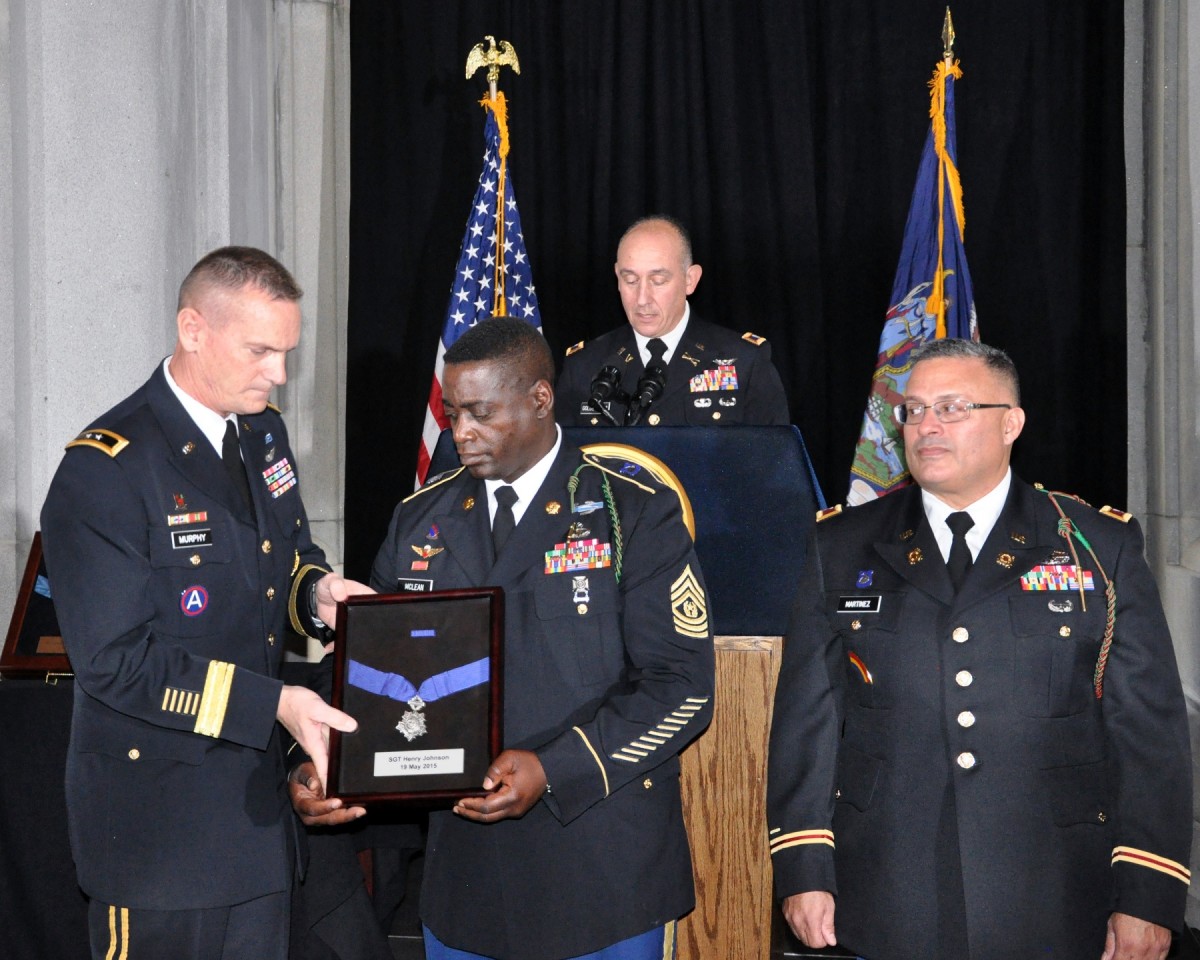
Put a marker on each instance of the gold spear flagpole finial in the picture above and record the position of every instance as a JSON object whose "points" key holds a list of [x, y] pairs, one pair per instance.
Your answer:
{"points": [[947, 37], [494, 57]]}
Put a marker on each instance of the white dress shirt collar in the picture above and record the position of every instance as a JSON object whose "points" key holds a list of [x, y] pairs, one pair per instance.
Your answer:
{"points": [[210, 423], [527, 484], [670, 339], [985, 512]]}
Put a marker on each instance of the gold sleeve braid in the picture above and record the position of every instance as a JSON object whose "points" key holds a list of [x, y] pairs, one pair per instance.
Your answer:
{"points": [[215, 699]]}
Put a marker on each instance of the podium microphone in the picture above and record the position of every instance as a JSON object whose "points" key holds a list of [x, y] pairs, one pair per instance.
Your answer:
{"points": [[649, 389], [604, 389]]}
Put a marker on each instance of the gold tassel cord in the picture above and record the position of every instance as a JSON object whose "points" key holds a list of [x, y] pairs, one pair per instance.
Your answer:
{"points": [[947, 176], [499, 108]]}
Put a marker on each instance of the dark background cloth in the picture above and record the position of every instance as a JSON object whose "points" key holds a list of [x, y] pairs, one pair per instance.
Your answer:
{"points": [[43, 910], [786, 135]]}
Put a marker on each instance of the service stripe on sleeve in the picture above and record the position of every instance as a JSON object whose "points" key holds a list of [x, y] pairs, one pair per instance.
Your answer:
{"points": [[799, 838], [1144, 858], [215, 698], [673, 723]]}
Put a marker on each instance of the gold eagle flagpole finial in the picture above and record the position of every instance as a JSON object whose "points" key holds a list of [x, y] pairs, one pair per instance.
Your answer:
{"points": [[947, 38], [494, 57]]}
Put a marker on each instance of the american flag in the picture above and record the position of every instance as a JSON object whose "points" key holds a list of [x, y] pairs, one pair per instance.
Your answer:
{"points": [[493, 275]]}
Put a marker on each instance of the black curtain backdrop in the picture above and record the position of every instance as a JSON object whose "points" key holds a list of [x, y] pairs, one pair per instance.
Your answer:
{"points": [[786, 134]]}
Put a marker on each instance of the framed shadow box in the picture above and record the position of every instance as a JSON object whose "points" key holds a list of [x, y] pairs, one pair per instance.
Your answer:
{"points": [[34, 642], [423, 675]]}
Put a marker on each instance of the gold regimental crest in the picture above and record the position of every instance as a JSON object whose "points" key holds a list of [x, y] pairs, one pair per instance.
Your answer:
{"points": [[688, 605]]}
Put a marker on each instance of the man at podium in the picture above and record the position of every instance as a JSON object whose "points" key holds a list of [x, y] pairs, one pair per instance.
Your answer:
{"points": [[980, 744], [667, 367]]}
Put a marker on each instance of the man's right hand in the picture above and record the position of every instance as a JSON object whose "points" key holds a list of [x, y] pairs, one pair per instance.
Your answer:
{"points": [[810, 915], [309, 802], [308, 719]]}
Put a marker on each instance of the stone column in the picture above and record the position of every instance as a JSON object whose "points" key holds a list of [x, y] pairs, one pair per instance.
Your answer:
{"points": [[1162, 156], [140, 135]]}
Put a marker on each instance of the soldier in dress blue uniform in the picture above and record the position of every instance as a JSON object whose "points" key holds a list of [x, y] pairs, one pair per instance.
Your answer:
{"points": [[579, 845], [712, 376], [177, 543], [979, 748]]}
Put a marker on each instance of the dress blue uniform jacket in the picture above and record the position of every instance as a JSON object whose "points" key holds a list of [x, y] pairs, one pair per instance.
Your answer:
{"points": [[173, 601], [605, 681], [943, 764], [715, 378]]}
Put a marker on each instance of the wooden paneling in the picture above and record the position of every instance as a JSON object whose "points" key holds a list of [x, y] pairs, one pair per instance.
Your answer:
{"points": [[724, 803]]}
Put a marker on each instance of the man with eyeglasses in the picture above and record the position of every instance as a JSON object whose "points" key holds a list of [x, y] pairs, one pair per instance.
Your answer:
{"points": [[980, 745]]}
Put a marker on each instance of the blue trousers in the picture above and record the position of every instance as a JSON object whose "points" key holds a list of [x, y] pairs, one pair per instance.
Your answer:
{"points": [[656, 944]]}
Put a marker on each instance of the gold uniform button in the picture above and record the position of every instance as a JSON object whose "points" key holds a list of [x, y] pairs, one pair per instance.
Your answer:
{"points": [[266, 546], [716, 414], [837, 794], [135, 753], [966, 719], [595, 421], [194, 559], [966, 760], [582, 608], [963, 678], [647, 783], [297, 523], [270, 593], [1102, 817], [855, 624], [271, 639], [960, 635], [654, 419], [1064, 631]]}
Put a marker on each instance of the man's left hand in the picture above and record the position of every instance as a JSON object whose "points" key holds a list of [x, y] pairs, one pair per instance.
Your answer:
{"points": [[331, 589], [311, 804], [516, 781], [1130, 938]]}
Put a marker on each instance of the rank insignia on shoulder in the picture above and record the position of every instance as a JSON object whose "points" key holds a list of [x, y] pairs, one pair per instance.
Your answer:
{"points": [[829, 512], [104, 440], [1116, 514], [271, 406], [754, 338], [575, 348], [689, 608]]}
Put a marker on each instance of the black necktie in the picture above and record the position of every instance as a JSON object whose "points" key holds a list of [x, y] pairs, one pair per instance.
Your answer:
{"points": [[960, 554], [658, 350], [504, 522], [231, 456]]}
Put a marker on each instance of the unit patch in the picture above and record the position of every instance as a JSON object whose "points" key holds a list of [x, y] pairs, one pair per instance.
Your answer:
{"points": [[193, 601], [688, 605]]}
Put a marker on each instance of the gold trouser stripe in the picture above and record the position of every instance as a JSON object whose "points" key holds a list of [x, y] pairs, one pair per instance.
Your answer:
{"points": [[113, 939], [293, 614], [112, 933], [669, 941], [595, 756], [215, 698]]}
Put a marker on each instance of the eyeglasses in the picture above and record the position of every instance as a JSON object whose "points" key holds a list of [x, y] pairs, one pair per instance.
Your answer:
{"points": [[947, 411]]}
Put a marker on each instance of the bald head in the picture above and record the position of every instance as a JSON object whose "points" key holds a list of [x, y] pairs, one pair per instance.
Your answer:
{"points": [[655, 274]]}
